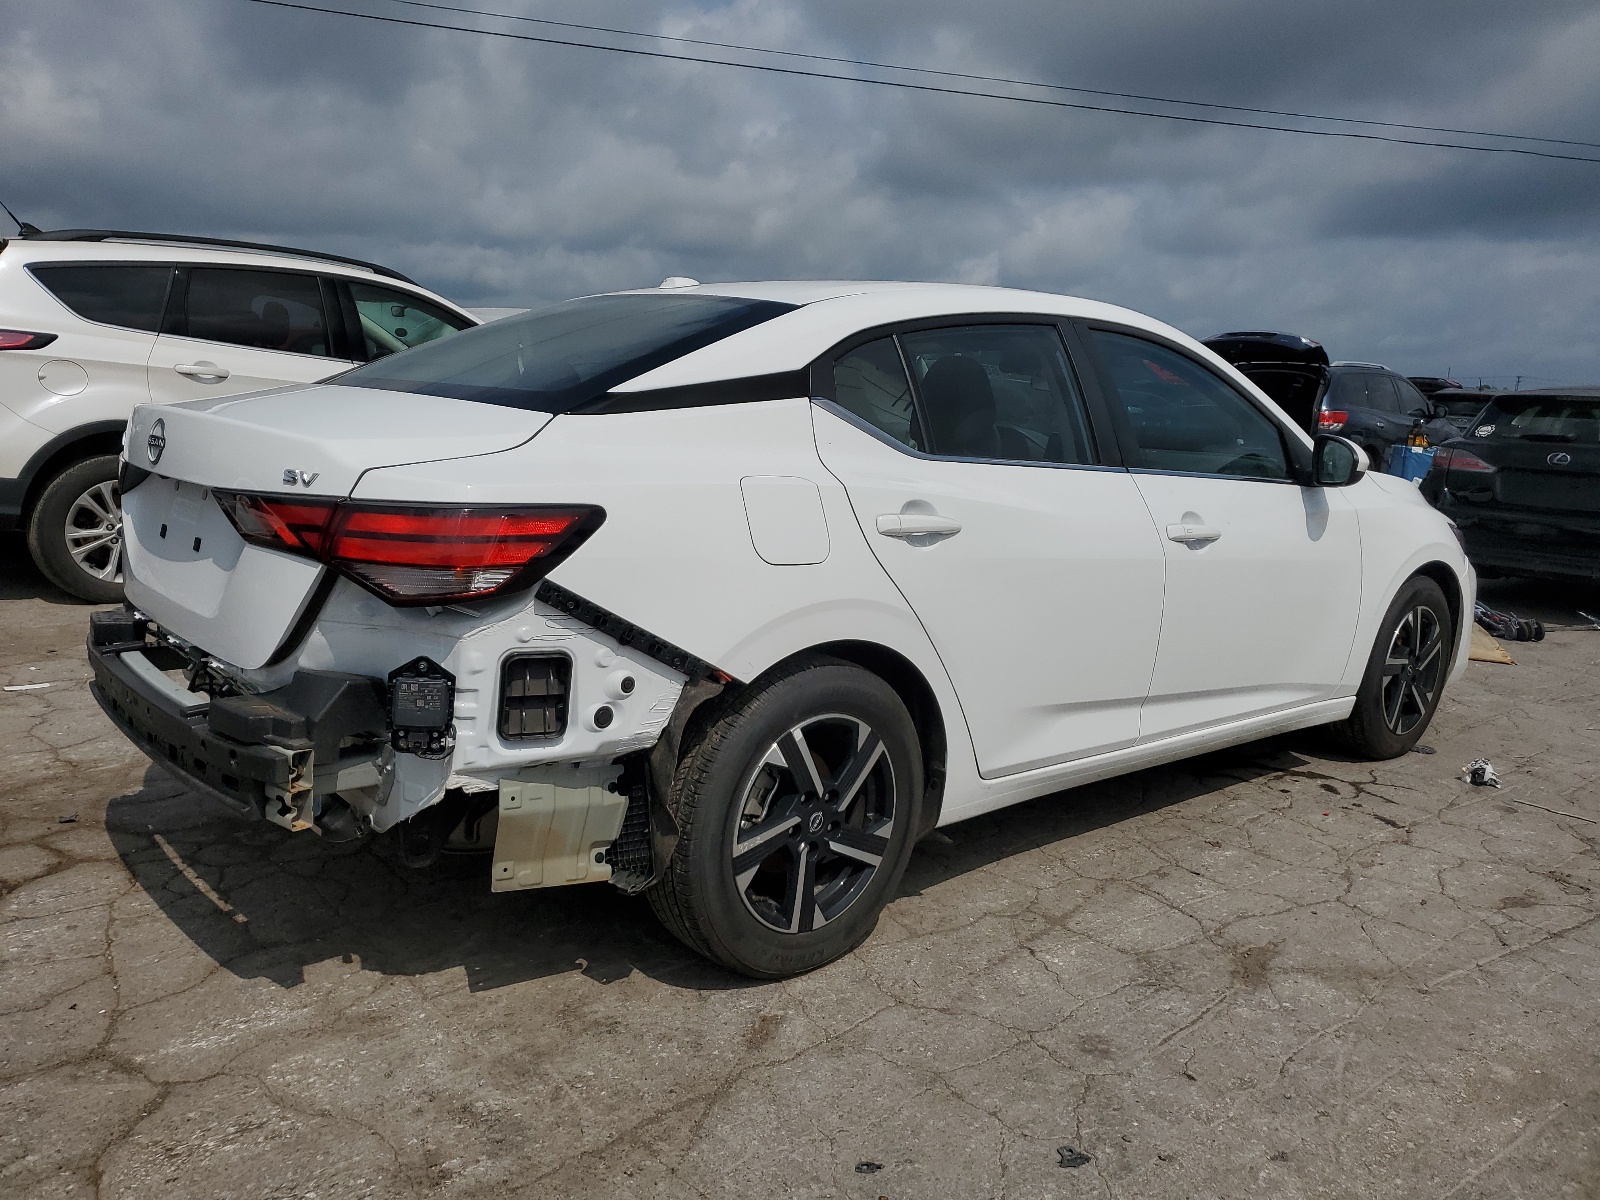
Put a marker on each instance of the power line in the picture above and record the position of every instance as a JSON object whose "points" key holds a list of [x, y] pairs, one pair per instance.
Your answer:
{"points": [[1033, 83], [1038, 101]]}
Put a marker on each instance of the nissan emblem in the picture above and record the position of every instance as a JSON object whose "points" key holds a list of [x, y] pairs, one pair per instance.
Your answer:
{"points": [[157, 441]]}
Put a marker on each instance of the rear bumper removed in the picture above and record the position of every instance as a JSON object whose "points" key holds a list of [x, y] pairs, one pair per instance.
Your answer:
{"points": [[277, 755]]}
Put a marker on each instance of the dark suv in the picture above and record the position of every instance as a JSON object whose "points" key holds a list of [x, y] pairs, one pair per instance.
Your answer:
{"points": [[1523, 484], [1369, 404], [1376, 408]]}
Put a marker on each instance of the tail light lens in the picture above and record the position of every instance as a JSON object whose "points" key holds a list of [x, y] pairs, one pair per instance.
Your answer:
{"points": [[1446, 459], [1331, 420], [418, 554], [18, 339]]}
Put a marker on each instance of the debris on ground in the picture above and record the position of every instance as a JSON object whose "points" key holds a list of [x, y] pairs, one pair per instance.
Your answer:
{"points": [[1483, 648], [868, 1168], [1508, 625], [25, 687], [67, 819], [1481, 774], [1423, 750], [1072, 1157]]}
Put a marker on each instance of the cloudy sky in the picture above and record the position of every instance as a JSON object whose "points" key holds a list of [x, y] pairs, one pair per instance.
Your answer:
{"points": [[502, 172]]}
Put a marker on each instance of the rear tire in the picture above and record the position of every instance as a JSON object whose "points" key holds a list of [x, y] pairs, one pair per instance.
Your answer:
{"points": [[1405, 674], [797, 805], [75, 531]]}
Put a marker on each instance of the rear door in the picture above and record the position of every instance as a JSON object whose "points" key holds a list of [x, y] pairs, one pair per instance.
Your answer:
{"points": [[241, 329], [971, 461], [1263, 575]]}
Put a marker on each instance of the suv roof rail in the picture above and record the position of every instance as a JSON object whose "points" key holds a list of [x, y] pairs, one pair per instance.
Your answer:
{"points": [[1349, 363], [107, 235]]}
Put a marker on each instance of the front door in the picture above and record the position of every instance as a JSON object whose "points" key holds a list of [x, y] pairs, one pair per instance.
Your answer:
{"points": [[1035, 570], [1263, 575], [241, 330]]}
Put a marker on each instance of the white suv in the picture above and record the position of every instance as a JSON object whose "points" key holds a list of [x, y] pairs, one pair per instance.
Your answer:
{"points": [[93, 322]]}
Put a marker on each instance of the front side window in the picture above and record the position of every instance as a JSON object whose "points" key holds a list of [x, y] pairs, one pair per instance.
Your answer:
{"points": [[1412, 402], [392, 320], [1000, 392], [131, 295], [265, 310], [563, 358], [1183, 418], [1381, 394], [1348, 390], [871, 382]]}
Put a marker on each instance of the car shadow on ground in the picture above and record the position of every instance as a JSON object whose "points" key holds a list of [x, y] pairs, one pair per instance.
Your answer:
{"points": [[20, 579], [264, 903]]}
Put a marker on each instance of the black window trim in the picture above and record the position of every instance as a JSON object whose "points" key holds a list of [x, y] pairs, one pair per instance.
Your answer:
{"points": [[1296, 453], [110, 262], [1108, 453]]}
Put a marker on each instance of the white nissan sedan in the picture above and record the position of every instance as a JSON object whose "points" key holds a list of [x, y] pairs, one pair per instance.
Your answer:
{"points": [[728, 594]]}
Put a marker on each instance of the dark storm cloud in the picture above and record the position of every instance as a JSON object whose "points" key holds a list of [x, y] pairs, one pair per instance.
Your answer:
{"points": [[501, 172]]}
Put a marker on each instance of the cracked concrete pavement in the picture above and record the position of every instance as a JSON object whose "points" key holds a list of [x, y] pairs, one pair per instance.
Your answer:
{"points": [[1270, 972]]}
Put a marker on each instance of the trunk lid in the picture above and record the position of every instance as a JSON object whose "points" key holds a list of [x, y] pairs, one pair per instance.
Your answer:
{"points": [[188, 568]]}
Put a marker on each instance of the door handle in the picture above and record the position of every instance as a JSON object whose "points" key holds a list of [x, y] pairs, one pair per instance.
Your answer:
{"points": [[202, 372], [904, 525], [1191, 535]]}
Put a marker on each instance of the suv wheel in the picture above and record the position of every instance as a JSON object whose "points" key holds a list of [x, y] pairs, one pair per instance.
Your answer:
{"points": [[75, 532], [1405, 674], [797, 805]]}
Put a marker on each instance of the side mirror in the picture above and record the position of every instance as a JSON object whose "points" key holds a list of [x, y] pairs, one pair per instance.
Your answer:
{"points": [[1336, 461]]}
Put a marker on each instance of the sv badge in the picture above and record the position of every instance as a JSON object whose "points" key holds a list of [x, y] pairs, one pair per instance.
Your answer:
{"points": [[305, 478]]}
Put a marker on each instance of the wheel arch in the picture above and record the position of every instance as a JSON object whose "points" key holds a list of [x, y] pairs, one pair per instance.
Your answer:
{"points": [[1454, 595], [61, 451]]}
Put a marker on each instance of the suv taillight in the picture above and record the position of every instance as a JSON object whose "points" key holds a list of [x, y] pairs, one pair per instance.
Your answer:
{"points": [[417, 554], [1446, 459], [1331, 420], [20, 339]]}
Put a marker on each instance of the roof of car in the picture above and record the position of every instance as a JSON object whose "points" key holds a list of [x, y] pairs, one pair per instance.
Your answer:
{"points": [[830, 311], [132, 244]]}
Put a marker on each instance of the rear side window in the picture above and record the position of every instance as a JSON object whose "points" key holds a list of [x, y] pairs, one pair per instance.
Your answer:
{"points": [[392, 321], [1183, 418], [562, 358], [1000, 392], [1563, 420], [871, 382], [131, 295], [265, 310]]}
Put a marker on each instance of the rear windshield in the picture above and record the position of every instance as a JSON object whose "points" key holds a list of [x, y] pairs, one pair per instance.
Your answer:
{"points": [[562, 359], [1567, 419]]}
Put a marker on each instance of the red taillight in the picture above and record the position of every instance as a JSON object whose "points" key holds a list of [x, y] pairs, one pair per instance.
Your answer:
{"points": [[18, 339], [1331, 420], [1445, 459], [415, 554], [279, 522]]}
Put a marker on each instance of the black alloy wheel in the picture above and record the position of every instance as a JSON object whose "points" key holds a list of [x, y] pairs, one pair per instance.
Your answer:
{"points": [[797, 799], [817, 815], [1413, 670], [1406, 673]]}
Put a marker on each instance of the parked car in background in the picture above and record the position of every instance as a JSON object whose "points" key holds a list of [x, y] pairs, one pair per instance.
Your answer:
{"points": [[1429, 384], [1461, 405], [1371, 405], [93, 322], [1377, 408], [1523, 484], [728, 594], [1292, 370]]}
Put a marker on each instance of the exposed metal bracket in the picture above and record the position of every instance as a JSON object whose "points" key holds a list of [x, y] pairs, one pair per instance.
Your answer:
{"points": [[555, 825], [293, 806]]}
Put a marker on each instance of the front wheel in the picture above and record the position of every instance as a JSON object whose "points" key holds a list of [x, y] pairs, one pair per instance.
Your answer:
{"points": [[1405, 674], [75, 532], [798, 806]]}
